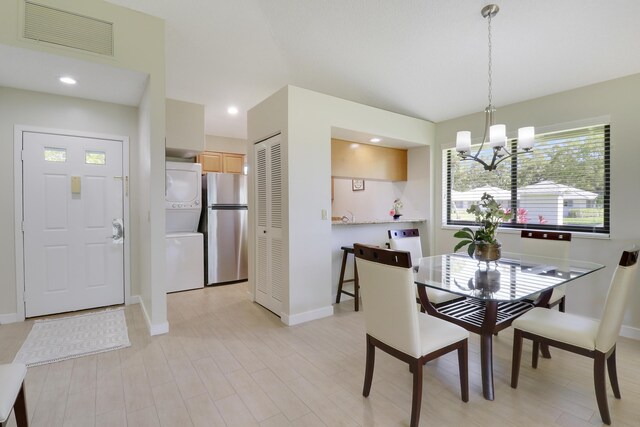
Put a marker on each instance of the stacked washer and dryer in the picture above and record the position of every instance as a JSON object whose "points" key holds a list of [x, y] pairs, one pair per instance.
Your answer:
{"points": [[184, 245]]}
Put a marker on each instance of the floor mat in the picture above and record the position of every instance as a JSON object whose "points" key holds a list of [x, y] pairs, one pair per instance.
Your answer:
{"points": [[56, 339]]}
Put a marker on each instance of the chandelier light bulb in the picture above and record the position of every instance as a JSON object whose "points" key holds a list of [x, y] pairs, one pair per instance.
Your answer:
{"points": [[463, 141], [498, 136], [526, 136]]}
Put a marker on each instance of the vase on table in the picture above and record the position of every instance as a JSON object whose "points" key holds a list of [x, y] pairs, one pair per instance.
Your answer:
{"points": [[397, 216], [487, 252]]}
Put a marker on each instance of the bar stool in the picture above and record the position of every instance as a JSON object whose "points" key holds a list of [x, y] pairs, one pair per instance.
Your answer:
{"points": [[346, 250]]}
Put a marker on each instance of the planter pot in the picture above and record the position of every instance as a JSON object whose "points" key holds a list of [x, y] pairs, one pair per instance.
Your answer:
{"points": [[397, 216], [487, 251]]}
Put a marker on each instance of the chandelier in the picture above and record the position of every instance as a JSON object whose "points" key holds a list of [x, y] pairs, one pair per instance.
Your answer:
{"points": [[494, 135]]}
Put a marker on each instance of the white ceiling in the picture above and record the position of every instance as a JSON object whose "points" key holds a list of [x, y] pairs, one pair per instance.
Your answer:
{"points": [[422, 58]]}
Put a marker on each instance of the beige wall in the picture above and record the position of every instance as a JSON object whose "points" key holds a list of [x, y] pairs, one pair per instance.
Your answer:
{"points": [[225, 144], [619, 99], [185, 128], [139, 46]]}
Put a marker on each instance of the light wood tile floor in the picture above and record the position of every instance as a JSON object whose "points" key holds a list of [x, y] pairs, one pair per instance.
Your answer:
{"points": [[229, 362]]}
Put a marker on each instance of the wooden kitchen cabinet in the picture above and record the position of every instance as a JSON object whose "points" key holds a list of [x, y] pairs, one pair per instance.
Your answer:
{"points": [[351, 160], [212, 161], [232, 163]]}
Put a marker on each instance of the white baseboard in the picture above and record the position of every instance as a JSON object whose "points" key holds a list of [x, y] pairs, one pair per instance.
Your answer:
{"points": [[154, 328], [10, 318], [307, 316], [159, 328], [630, 332], [134, 299]]}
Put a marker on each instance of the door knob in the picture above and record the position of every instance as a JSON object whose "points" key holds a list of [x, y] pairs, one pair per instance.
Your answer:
{"points": [[117, 233]]}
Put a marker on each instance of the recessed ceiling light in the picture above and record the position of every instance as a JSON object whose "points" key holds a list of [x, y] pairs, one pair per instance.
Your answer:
{"points": [[375, 140], [68, 80], [232, 110]]}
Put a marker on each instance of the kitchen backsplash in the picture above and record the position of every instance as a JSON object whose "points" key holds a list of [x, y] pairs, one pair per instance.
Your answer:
{"points": [[374, 202]]}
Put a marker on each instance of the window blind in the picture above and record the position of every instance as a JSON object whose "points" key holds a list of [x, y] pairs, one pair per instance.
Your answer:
{"points": [[563, 184]]}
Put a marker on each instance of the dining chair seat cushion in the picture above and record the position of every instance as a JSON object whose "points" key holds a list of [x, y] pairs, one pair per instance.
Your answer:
{"points": [[438, 297], [437, 333], [11, 378], [557, 294], [564, 327]]}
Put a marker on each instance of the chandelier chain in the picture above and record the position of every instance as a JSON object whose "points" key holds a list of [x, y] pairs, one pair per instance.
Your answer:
{"points": [[490, 97]]}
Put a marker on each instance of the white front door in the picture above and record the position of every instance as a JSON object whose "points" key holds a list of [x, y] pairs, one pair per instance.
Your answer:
{"points": [[73, 206]]}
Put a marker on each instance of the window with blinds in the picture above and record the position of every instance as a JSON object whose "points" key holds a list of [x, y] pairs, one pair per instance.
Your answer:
{"points": [[563, 184]]}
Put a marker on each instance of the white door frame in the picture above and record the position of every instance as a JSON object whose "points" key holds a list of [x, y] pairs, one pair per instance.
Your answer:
{"points": [[18, 200]]}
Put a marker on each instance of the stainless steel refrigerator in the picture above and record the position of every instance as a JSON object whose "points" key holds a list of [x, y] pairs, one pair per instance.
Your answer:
{"points": [[224, 224]]}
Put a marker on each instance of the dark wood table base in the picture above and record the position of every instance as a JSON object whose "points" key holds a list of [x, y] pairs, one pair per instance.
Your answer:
{"points": [[484, 318]]}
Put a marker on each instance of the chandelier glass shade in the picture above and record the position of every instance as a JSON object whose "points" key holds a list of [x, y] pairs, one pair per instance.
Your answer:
{"points": [[495, 135]]}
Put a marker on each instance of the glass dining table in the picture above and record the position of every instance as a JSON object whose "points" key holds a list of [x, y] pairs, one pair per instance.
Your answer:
{"points": [[493, 294]]}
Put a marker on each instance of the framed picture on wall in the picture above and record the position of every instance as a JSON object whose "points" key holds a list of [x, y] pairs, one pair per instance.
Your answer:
{"points": [[357, 184]]}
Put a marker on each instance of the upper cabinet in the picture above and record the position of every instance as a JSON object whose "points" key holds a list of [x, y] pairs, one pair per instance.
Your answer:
{"points": [[212, 161], [184, 128], [355, 160]]}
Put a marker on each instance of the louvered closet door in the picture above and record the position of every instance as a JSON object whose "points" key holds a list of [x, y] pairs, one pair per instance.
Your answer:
{"points": [[271, 260]]}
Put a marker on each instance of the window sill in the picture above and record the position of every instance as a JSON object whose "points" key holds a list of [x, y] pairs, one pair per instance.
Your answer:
{"points": [[574, 234]]}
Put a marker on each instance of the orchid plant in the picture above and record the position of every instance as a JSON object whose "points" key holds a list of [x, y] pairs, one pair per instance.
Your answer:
{"points": [[397, 205], [489, 214]]}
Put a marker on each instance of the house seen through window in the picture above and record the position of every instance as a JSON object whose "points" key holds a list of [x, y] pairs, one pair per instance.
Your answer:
{"points": [[563, 184]]}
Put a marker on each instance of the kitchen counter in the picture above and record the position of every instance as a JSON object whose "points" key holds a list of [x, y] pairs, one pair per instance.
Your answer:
{"points": [[379, 221]]}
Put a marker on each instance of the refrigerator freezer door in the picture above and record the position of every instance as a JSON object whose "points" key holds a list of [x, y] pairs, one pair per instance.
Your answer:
{"points": [[227, 245], [226, 189]]}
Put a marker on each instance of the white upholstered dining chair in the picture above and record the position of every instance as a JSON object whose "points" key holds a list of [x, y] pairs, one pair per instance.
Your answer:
{"points": [[409, 240], [12, 395], [396, 327], [582, 335], [548, 244]]}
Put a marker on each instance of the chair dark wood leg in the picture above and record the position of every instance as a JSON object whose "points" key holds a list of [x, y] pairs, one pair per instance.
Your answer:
{"points": [[544, 350], [368, 373], [613, 374], [463, 370], [601, 386], [417, 392], [341, 280], [516, 358], [534, 354], [20, 409], [356, 286], [561, 306]]}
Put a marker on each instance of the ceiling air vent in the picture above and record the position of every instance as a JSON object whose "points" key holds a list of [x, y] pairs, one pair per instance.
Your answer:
{"points": [[46, 24]]}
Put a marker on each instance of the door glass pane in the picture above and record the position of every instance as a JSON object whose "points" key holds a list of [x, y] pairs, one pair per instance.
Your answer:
{"points": [[55, 154], [95, 157]]}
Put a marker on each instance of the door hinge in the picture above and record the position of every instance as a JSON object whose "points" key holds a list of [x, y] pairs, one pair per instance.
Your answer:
{"points": [[22, 226], [22, 155], [24, 296]]}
